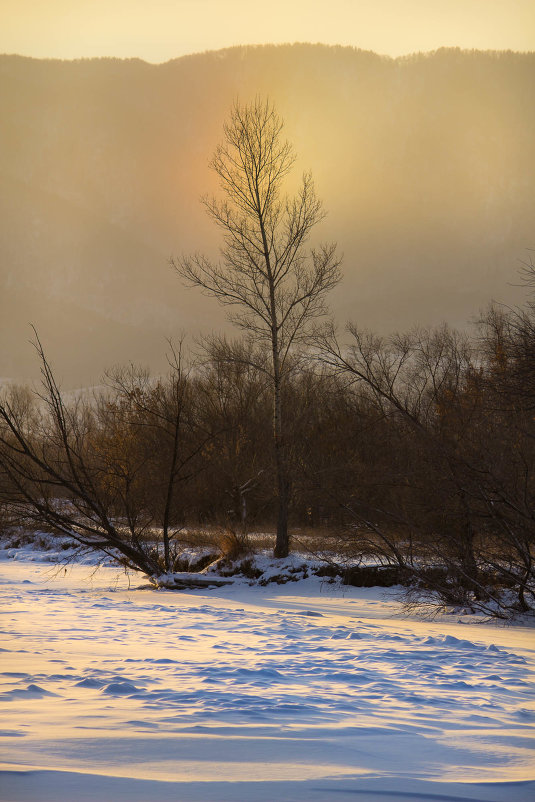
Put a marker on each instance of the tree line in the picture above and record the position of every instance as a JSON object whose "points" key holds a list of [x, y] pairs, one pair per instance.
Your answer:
{"points": [[415, 451]]}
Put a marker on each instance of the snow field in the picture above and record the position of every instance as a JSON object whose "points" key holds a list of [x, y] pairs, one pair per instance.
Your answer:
{"points": [[306, 691]]}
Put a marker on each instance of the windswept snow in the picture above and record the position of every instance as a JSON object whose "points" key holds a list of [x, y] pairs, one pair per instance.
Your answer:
{"points": [[305, 691]]}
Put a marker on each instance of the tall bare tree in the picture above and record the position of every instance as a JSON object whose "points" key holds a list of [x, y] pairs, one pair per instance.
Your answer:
{"points": [[265, 271]]}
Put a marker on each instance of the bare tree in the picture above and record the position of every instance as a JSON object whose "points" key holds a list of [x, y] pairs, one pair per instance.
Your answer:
{"points": [[467, 432], [278, 286], [104, 469], [233, 397], [160, 416]]}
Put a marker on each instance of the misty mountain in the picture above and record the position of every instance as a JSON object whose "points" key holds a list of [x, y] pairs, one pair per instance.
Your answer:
{"points": [[425, 164]]}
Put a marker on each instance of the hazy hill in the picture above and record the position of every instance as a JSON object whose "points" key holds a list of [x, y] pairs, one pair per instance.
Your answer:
{"points": [[426, 166]]}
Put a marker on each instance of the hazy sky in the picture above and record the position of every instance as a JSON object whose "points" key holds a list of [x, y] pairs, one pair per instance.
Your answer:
{"points": [[158, 30]]}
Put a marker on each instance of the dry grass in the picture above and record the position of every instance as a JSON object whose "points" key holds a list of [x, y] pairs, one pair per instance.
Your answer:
{"points": [[234, 545]]}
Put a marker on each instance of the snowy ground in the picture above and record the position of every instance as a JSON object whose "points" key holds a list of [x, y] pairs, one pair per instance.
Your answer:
{"points": [[305, 691]]}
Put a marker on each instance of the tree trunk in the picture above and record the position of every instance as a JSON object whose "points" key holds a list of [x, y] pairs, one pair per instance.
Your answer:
{"points": [[282, 544], [169, 495]]}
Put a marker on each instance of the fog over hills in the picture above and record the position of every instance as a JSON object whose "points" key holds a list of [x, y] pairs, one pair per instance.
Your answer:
{"points": [[425, 164]]}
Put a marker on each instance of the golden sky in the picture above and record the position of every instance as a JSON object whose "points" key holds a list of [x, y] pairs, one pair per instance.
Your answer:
{"points": [[158, 30]]}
